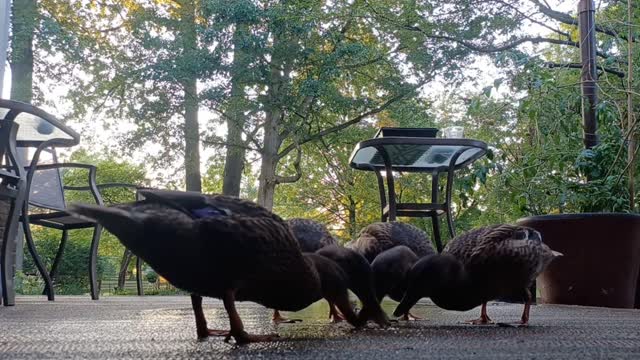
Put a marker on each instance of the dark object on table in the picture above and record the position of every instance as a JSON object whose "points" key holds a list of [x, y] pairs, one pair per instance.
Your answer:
{"points": [[239, 252], [380, 236], [479, 266], [406, 132]]}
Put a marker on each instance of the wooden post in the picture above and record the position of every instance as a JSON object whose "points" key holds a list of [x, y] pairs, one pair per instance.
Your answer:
{"points": [[631, 147], [586, 23]]}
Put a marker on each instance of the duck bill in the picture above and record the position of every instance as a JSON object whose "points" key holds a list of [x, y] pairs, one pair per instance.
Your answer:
{"points": [[373, 312], [406, 304]]}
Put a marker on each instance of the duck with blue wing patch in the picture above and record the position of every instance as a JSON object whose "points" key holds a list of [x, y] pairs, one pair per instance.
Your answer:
{"points": [[227, 248]]}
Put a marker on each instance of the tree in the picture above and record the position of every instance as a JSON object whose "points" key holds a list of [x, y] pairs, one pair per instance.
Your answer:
{"points": [[135, 61], [24, 23]]}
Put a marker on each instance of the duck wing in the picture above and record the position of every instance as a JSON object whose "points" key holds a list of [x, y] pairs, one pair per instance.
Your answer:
{"points": [[311, 235], [198, 205], [502, 250], [381, 236]]}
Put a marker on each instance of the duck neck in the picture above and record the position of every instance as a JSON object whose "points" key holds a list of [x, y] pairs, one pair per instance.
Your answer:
{"points": [[459, 294]]}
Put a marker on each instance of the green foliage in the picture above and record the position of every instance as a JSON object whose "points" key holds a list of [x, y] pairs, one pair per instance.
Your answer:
{"points": [[151, 276]]}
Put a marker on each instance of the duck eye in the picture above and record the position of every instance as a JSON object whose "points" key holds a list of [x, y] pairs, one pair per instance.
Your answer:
{"points": [[521, 234]]}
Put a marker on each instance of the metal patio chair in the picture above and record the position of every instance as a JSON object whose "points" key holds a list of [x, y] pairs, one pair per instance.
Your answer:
{"points": [[12, 194], [45, 205]]}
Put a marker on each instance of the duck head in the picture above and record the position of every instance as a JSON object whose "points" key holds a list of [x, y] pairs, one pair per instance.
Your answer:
{"points": [[441, 277], [358, 278]]}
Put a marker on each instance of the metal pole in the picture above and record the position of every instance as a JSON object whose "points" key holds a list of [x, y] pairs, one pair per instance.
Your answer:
{"points": [[5, 9], [631, 148], [586, 23]]}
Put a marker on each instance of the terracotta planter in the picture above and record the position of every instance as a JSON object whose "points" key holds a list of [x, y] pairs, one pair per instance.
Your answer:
{"points": [[601, 258]]}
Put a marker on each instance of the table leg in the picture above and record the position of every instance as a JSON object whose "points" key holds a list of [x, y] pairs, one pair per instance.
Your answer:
{"points": [[390, 183], [435, 222], [452, 161], [383, 197]]}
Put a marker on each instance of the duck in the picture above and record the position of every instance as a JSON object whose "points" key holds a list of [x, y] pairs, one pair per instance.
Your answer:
{"points": [[232, 249], [312, 236], [478, 266], [390, 270], [392, 248], [380, 236]]}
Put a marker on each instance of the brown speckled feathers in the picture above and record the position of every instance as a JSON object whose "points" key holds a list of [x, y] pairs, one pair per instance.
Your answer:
{"points": [[381, 236], [503, 251], [311, 235]]}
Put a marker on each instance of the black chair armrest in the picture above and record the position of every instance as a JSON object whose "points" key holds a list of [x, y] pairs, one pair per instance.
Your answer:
{"points": [[104, 186], [62, 165]]}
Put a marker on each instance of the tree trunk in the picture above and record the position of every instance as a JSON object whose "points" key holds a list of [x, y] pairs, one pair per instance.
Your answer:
{"points": [[353, 230], [24, 20], [274, 114], [189, 84], [234, 161], [192, 137], [124, 266], [267, 180]]}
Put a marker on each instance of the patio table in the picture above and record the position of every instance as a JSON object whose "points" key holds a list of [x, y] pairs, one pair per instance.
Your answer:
{"points": [[38, 129], [421, 155]]}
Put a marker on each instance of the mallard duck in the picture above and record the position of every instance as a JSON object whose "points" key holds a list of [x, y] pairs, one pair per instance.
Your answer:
{"points": [[478, 266], [312, 236], [381, 236], [223, 247], [390, 271]]}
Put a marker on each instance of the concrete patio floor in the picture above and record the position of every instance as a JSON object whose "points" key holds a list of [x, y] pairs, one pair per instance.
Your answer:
{"points": [[163, 327]]}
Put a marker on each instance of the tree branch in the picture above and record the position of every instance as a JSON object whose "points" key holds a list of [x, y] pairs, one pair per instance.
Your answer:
{"points": [[617, 73], [501, 47], [346, 124], [570, 20], [296, 165], [530, 18]]}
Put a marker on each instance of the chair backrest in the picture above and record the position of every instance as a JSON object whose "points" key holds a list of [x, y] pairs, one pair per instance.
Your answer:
{"points": [[8, 131], [46, 190]]}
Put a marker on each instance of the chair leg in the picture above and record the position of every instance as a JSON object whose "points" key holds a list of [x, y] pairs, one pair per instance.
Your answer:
{"points": [[452, 230], [139, 276], [93, 259], [36, 259], [56, 261], [435, 222], [7, 257], [7, 267]]}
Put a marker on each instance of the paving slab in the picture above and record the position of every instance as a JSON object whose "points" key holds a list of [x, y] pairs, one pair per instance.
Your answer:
{"points": [[162, 327]]}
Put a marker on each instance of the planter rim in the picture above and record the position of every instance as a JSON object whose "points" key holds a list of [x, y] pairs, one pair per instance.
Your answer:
{"points": [[575, 216]]}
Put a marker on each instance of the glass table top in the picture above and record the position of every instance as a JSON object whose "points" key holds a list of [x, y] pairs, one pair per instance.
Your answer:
{"points": [[415, 154], [36, 125]]}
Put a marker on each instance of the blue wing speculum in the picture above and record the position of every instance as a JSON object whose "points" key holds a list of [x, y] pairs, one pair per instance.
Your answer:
{"points": [[191, 203]]}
